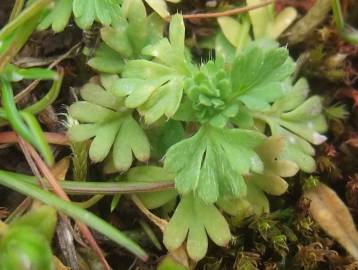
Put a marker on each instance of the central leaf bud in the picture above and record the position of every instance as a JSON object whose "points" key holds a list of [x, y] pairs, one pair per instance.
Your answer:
{"points": [[209, 90]]}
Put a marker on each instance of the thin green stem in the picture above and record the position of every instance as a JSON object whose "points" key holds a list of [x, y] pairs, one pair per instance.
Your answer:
{"points": [[100, 187], [338, 15], [48, 99], [44, 102], [73, 211], [90, 202]]}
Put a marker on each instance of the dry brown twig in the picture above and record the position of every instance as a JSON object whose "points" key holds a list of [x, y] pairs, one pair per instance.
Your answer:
{"points": [[230, 12], [9, 137], [31, 163]]}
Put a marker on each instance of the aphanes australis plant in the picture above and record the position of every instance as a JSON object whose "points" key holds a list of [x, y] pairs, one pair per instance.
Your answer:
{"points": [[242, 124]]}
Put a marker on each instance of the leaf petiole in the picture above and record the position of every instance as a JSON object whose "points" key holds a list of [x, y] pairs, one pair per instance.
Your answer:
{"points": [[100, 187]]}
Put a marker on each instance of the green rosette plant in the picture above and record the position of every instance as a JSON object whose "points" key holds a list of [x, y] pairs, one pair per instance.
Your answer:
{"points": [[230, 129]]}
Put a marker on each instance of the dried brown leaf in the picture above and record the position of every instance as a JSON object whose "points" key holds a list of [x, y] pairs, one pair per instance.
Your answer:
{"points": [[329, 211]]}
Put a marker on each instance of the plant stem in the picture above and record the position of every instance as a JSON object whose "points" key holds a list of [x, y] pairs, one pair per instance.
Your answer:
{"points": [[90, 202], [338, 16], [100, 187], [49, 98]]}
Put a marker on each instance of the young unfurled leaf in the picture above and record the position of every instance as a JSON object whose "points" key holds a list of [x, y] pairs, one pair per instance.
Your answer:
{"points": [[193, 220], [208, 164], [152, 174], [259, 76], [102, 116], [209, 91], [300, 122], [155, 87]]}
